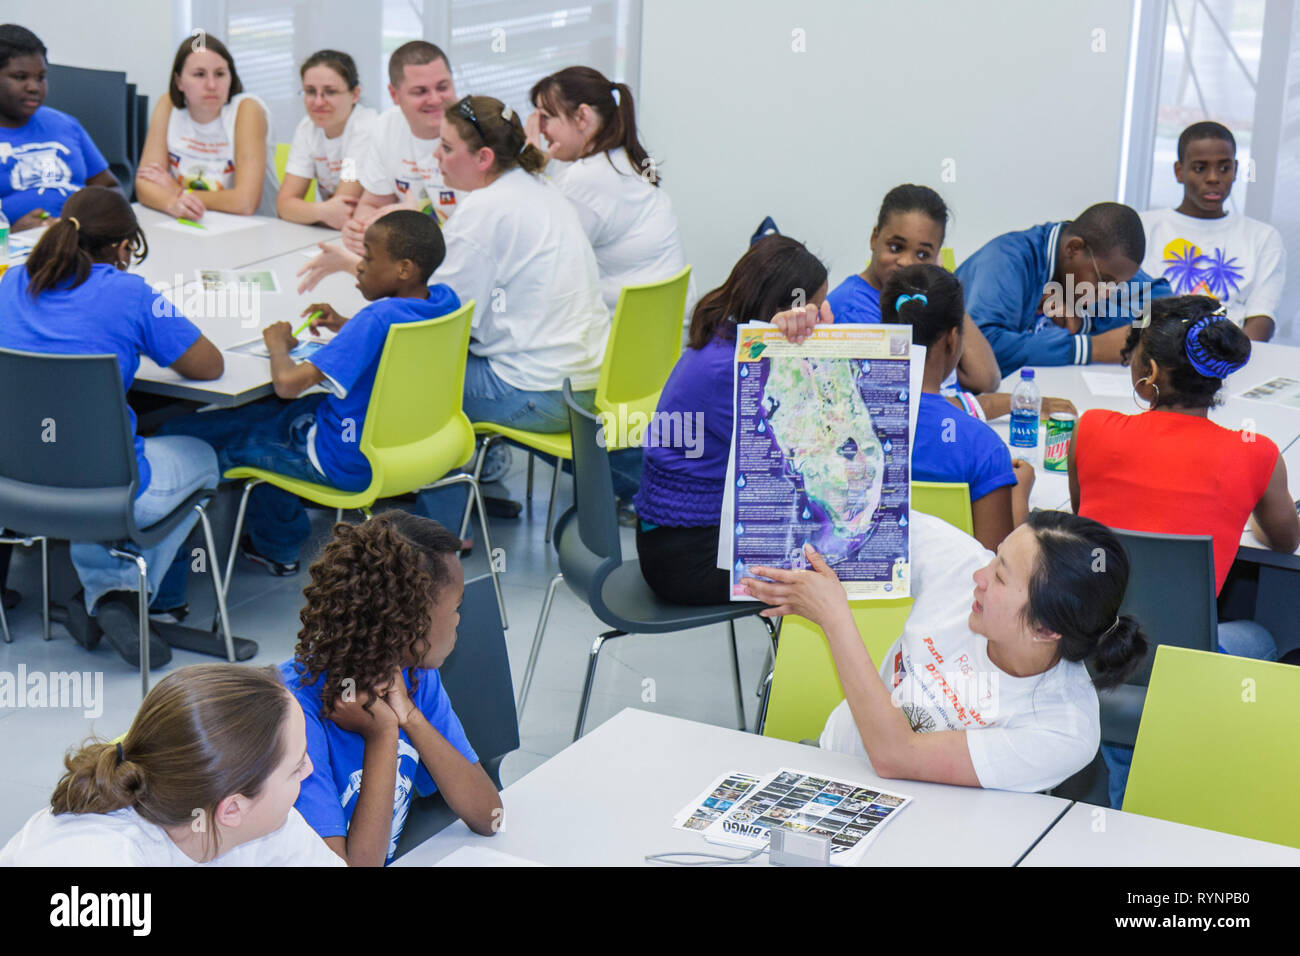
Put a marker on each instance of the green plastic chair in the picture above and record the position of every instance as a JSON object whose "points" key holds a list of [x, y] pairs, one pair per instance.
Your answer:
{"points": [[1216, 747], [415, 431], [804, 686], [281, 161], [645, 341]]}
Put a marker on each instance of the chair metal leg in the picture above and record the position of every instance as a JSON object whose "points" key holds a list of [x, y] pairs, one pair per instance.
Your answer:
{"points": [[765, 689], [735, 673], [537, 645], [338, 515], [550, 510], [142, 570], [218, 585], [234, 547], [762, 707], [45, 589], [586, 684], [478, 470], [532, 459], [476, 500], [4, 625]]}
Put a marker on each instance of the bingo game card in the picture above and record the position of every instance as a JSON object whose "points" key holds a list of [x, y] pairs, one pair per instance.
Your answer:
{"points": [[848, 814], [720, 797]]}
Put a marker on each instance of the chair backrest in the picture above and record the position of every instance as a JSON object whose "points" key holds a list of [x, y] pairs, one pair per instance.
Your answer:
{"points": [[593, 485], [947, 500], [645, 342], [477, 678], [1216, 748], [282, 161], [805, 686], [98, 100], [415, 430], [1171, 592], [948, 258], [67, 453]]}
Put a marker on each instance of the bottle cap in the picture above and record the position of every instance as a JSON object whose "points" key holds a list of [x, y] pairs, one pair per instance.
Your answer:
{"points": [[1026, 373]]}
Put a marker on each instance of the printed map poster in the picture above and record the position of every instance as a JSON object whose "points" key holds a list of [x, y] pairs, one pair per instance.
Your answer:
{"points": [[821, 454]]}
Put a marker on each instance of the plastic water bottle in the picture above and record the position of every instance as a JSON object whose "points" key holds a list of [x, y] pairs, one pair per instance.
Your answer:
{"points": [[4, 241], [1026, 404]]}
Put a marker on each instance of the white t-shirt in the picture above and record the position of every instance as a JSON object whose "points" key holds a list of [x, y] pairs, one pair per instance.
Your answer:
{"points": [[395, 162], [630, 222], [1239, 261], [203, 155], [313, 155], [1023, 733], [124, 838], [516, 247]]}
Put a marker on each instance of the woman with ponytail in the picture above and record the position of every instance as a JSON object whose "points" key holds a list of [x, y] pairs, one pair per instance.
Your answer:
{"points": [[207, 774], [74, 297], [613, 183], [1207, 479], [983, 689]]}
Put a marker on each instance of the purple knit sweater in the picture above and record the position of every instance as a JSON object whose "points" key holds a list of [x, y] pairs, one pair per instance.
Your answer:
{"points": [[678, 490]]}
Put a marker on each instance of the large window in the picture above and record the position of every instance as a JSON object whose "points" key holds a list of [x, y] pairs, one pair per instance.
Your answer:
{"points": [[496, 47]]}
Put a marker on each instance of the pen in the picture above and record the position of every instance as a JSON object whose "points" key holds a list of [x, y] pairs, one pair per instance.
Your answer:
{"points": [[302, 328]]}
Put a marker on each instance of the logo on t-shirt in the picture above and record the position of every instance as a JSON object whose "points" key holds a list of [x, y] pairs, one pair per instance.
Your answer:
{"points": [[38, 166], [446, 197], [1193, 272]]}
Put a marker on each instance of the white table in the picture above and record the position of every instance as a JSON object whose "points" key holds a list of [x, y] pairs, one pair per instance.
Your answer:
{"points": [[238, 317], [1094, 836], [609, 800]]}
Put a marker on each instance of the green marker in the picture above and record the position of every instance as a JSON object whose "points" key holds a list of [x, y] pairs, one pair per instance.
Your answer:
{"points": [[44, 214], [190, 222], [302, 328]]}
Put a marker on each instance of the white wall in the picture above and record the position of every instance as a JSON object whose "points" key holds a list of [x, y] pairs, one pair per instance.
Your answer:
{"points": [[135, 36], [884, 94]]}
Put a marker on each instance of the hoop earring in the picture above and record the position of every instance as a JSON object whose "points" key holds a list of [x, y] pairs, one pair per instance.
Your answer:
{"points": [[1146, 380]]}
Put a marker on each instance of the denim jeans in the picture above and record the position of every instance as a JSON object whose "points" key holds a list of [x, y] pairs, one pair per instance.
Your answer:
{"points": [[269, 434], [1238, 638], [180, 466], [489, 399]]}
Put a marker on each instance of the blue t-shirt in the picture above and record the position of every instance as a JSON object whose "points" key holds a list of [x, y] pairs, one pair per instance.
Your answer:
{"points": [[953, 446], [855, 301], [328, 797], [350, 362], [112, 311], [45, 161]]}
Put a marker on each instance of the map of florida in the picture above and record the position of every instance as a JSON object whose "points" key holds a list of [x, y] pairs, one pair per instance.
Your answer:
{"points": [[830, 443]]}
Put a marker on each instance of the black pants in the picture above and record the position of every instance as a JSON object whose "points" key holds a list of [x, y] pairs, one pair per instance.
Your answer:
{"points": [[679, 565]]}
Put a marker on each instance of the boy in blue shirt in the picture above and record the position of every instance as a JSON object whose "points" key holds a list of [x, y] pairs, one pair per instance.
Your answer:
{"points": [[316, 438], [45, 155], [1035, 293]]}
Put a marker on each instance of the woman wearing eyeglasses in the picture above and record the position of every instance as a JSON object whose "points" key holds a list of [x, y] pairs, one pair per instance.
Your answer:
{"points": [[328, 142]]}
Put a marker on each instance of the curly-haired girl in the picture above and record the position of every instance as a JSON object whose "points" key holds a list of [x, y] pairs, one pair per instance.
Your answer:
{"points": [[381, 616]]}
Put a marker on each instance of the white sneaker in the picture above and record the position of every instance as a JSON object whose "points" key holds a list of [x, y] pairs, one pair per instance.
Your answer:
{"points": [[497, 464]]}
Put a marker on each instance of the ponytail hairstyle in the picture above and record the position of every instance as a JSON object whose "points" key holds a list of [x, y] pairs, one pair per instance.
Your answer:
{"points": [[93, 222], [369, 601], [484, 121], [1076, 589], [912, 198], [204, 733], [563, 92], [776, 273], [341, 63], [1195, 343], [926, 297]]}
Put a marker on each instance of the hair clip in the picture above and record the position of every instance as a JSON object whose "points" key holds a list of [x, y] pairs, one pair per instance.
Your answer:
{"points": [[507, 113], [905, 298]]}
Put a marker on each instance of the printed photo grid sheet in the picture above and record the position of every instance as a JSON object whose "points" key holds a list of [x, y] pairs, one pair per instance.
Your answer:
{"points": [[740, 810]]}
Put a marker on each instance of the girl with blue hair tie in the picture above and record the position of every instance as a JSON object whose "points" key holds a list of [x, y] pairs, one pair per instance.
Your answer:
{"points": [[1170, 470]]}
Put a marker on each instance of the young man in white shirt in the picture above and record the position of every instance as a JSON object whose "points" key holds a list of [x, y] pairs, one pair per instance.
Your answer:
{"points": [[398, 169], [1204, 249]]}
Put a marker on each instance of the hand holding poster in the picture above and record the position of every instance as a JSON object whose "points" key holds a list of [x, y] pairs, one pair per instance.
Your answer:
{"points": [[821, 454]]}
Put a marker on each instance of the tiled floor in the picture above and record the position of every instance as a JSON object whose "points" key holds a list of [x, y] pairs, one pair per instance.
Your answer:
{"points": [[691, 671]]}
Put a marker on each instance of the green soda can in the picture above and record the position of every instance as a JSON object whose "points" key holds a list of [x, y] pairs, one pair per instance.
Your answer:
{"points": [[1056, 443]]}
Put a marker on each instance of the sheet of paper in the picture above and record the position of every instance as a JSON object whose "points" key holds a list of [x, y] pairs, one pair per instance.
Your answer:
{"points": [[213, 224], [1280, 390], [848, 814], [821, 454], [302, 351], [721, 795], [1107, 383], [216, 280]]}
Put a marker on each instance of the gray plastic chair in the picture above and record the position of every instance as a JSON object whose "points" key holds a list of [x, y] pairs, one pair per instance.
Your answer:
{"points": [[104, 104], [477, 679], [1171, 592], [592, 565], [68, 470]]}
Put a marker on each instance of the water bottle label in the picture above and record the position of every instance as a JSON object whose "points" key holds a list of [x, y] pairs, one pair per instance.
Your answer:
{"points": [[1024, 428]]}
